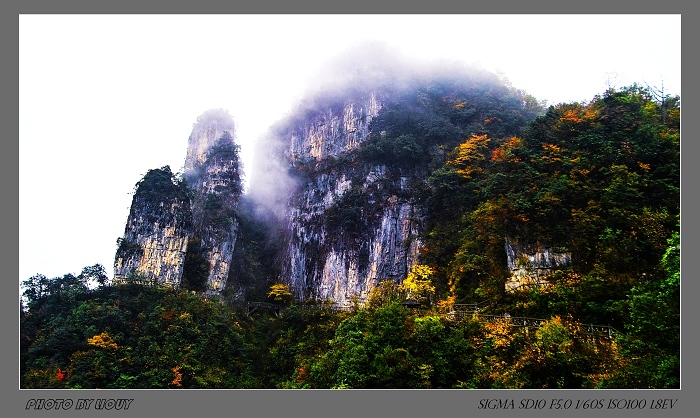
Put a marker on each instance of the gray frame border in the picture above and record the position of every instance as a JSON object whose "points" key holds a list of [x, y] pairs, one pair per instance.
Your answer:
{"points": [[402, 403]]}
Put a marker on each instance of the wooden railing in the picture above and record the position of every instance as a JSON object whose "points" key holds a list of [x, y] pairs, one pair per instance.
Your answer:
{"points": [[459, 311], [526, 323]]}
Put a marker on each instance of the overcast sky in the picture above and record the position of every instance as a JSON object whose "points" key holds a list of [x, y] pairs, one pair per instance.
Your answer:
{"points": [[105, 98]]}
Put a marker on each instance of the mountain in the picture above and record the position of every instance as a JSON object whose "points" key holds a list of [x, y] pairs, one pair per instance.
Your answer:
{"points": [[347, 173], [416, 226], [390, 166], [187, 227]]}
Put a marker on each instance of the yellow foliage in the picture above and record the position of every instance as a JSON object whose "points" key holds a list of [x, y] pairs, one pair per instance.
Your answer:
{"points": [[469, 153], [549, 199], [552, 148], [571, 116], [590, 113], [501, 332], [384, 292], [103, 340], [280, 292], [553, 153], [420, 272], [447, 304], [552, 338], [418, 283]]}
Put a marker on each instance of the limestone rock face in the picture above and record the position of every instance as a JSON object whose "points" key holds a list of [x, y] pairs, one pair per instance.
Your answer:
{"points": [[391, 251], [157, 231], [212, 170], [532, 264], [210, 126], [345, 226], [167, 215], [332, 131]]}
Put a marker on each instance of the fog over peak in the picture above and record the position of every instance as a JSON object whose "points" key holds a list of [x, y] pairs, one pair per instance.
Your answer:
{"points": [[351, 76], [206, 131]]}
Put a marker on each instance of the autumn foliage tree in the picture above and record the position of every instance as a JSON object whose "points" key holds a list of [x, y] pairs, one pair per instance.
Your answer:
{"points": [[600, 179], [417, 285]]}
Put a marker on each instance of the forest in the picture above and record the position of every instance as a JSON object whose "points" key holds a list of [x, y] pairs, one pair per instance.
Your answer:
{"points": [[599, 180]]}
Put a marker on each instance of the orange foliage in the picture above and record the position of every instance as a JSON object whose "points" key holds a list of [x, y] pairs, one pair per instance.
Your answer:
{"points": [[571, 116], [168, 315], [514, 142], [582, 172], [302, 374], [504, 153], [177, 381], [590, 114], [498, 155]]}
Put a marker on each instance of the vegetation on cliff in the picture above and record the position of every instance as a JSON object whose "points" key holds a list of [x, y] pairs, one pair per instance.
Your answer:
{"points": [[135, 335], [483, 163], [601, 180]]}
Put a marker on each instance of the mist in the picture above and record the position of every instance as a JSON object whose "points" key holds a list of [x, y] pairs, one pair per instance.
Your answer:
{"points": [[96, 112], [371, 67]]}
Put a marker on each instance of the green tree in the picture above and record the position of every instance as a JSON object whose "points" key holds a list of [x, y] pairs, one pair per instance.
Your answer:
{"points": [[95, 273], [651, 345]]}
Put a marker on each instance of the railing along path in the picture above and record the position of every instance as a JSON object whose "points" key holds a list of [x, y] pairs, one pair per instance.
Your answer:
{"points": [[526, 323], [459, 311]]}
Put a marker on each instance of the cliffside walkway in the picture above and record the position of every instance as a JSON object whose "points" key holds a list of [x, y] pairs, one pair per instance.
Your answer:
{"points": [[458, 312], [471, 307], [277, 308], [251, 307], [527, 324], [473, 310]]}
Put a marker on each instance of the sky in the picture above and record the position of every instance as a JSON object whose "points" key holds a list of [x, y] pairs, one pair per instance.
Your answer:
{"points": [[105, 98]]}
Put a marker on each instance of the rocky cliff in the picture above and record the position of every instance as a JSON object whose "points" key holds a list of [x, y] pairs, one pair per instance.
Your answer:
{"points": [[346, 223], [187, 227], [212, 170], [346, 174], [157, 230], [341, 127], [533, 263], [341, 187]]}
